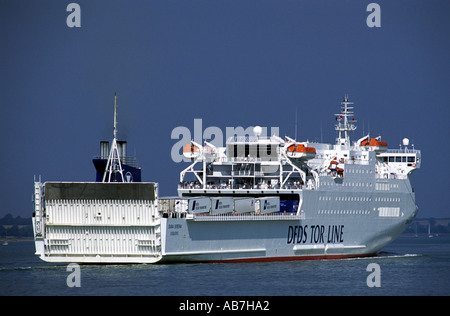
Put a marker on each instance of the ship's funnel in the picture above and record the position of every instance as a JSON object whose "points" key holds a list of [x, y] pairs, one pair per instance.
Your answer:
{"points": [[104, 149]]}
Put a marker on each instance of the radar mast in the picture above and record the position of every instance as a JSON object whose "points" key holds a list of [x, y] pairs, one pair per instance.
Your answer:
{"points": [[114, 165], [345, 122]]}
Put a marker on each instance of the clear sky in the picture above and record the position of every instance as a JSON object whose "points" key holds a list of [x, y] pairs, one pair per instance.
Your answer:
{"points": [[229, 62]]}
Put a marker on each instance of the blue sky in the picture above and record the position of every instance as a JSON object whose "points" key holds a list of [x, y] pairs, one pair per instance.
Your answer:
{"points": [[230, 63]]}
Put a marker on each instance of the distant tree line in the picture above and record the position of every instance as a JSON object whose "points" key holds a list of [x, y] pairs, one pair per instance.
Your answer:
{"points": [[15, 226], [432, 225]]}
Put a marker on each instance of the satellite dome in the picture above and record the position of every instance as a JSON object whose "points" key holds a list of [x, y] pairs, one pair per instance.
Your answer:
{"points": [[405, 141], [257, 130]]}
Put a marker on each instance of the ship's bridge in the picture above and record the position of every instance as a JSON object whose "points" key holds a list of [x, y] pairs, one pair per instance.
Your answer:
{"points": [[410, 157], [398, 162]]}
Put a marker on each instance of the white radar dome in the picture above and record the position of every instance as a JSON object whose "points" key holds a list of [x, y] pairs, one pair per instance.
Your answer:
{"points": [[405, 141], [257, 130]]}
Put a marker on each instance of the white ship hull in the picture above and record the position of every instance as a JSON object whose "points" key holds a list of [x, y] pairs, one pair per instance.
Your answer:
{"points": [[329, 225], [243, 240]]}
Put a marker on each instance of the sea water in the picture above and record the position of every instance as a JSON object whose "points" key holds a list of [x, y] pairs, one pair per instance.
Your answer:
{"points": [[409, 266]]}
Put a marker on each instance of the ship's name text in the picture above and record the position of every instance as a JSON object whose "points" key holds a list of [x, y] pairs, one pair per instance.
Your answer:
{"points": [[315, 234]]}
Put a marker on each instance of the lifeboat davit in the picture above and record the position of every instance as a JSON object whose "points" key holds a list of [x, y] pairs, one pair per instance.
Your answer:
{"points": [[375, 144], [191, 151], [301, 151]]}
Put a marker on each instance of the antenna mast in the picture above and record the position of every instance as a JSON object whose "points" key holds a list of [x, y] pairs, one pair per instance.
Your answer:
{"points": [[115, 116], [345, 122], [114, 165]]}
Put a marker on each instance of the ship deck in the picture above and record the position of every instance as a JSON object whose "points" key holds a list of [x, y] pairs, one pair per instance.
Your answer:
{"points": [[225, 192], [241, 217]]}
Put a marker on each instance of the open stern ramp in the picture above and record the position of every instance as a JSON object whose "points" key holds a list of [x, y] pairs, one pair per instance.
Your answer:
{"points": [[90, 222]]}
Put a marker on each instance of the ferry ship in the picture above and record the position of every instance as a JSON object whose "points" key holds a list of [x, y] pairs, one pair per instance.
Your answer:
{"points": [[257, 199]]}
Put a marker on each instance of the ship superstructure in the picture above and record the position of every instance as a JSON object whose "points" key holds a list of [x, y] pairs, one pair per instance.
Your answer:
{"points": [[257, 199], [260, 166]]}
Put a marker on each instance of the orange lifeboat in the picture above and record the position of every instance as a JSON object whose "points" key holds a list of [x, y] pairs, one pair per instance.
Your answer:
{"points": [[301, 151], [375, 144], [191, 151]]}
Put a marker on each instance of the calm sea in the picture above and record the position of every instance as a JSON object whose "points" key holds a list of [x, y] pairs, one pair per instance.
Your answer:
{"points": [[409, 266]]}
